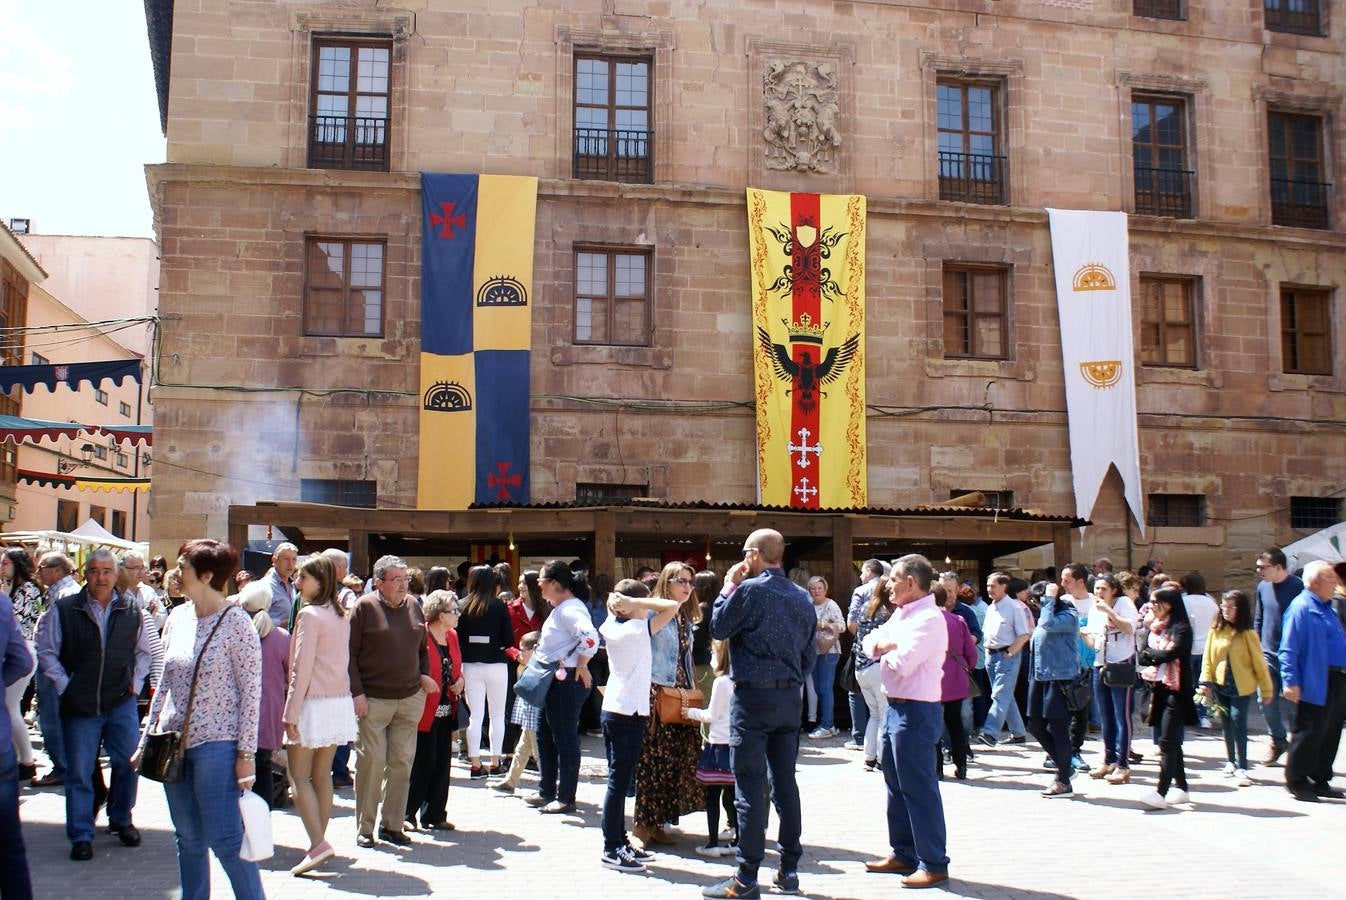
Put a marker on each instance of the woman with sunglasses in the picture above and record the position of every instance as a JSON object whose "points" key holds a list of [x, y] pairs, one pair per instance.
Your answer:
{"points": [[666, 785], [1165, 664]]}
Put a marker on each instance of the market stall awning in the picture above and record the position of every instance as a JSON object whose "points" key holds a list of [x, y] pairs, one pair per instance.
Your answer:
{"points": [[19, 430], [72, 374], [126, 434], [51, 479]]}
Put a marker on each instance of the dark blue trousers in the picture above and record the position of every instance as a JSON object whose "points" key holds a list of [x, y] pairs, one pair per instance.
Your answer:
{"points": [[623, 737], [14, 881], [916, 829], [764, 737], [558, 740]]}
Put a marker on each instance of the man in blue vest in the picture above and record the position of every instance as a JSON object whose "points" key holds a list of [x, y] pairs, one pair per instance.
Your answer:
{"points": [[93, 648]]}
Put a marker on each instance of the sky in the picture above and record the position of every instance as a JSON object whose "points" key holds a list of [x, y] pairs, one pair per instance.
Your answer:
{"points": [[78, 116]]}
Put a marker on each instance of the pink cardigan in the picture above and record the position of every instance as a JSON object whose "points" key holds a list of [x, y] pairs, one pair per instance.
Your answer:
{"points": [[320, 653]]}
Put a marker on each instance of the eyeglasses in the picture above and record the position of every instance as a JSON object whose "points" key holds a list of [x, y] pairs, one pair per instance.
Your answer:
{"points": [[1260, 566], [680, 581], [747, 550]]}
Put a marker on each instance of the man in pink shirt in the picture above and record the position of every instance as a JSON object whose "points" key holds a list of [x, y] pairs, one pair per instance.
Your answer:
{"points": [[910, 648]]}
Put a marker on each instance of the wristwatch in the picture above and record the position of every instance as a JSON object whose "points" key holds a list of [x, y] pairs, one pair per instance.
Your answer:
{"points": [[244, 756]]}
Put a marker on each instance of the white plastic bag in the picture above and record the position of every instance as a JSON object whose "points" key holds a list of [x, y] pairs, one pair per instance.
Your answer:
{"points": [[257, 842]]}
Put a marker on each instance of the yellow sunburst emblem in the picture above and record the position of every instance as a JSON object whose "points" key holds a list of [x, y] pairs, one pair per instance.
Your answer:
{"points": [[1093, 277], [1102, 374]]}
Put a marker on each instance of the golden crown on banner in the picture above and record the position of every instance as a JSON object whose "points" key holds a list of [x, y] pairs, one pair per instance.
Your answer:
{"points": [[804, 330], [1102, 373], [1093, 277]]}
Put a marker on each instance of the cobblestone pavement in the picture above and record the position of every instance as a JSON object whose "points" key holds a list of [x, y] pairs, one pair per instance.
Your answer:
{"points": [[1004, 840]]}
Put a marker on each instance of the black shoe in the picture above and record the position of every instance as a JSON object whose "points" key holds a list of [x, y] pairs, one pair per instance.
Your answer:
{"points": [[1304, 795], [1135, 758], [1015, 739], [364, 840], [1328, 792], [81, 850], [27, 771], [787, 882], [984, 739], [397, 838], [960, 772], [129, 835]]}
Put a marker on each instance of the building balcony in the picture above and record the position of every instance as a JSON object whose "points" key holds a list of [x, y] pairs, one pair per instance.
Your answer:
{"points": [[348, 142], [1299, 204], [1164, 192], [609, 154], [972, 178]]}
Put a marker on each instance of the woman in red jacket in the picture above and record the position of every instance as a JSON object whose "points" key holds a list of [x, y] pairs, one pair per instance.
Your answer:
{"points": [[428, 793]]}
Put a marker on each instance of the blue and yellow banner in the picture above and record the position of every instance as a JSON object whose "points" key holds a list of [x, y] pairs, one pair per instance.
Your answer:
{"points": [[476, 337]]}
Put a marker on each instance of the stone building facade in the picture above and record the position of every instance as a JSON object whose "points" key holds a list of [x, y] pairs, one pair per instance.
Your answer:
{"points": [[1218, 125]]}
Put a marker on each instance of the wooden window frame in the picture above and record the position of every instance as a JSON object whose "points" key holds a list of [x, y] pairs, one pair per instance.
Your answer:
{"points": [[118, 522], [961, 188], [348, 161], [613, 166], [970, 314], [1285, 21], [1146, 201], [1293, 331], [1189, 288], [1292, 214], [611, 298], [348, 241], [1158, 514], [62, 505]]}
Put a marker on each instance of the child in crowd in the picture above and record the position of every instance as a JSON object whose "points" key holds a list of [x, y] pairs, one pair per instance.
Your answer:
{"points": [[526, 716], [713, 769]]}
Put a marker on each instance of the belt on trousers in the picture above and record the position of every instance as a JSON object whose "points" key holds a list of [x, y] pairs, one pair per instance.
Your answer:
{"points": [[896, 701], [778, 684], [998, 649]]}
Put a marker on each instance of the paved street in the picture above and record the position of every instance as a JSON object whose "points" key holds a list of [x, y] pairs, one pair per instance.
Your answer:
{"points": [[1005, 841]]}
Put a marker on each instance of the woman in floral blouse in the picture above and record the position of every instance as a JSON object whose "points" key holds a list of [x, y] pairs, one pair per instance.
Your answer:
{"points": [[221, 735], [16, 570]]}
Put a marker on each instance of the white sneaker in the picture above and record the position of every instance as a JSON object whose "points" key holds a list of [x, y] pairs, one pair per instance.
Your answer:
{"points": [[1228, 770], [1177, 797], [819, 734], [1241, 778], [711, 852], [1154, 801]]}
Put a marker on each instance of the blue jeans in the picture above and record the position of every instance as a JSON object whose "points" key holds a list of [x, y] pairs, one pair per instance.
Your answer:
{"points": [[49, 721], [916, 830], [14, 880], [824, 676], [1235, 726], [1274, 711], [558, 740], [764, 742], [859, 716], [204, 809], [622, 737], [1114, 706], [341, 762], [118, 731], [1003, 670]]}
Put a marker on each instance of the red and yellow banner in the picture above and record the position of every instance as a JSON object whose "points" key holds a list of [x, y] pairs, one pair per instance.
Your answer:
{"points": [[808, 310]]}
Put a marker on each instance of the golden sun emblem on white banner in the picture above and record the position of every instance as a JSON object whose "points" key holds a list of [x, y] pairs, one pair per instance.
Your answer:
{"points": [[1093, 277], [1102, 374]]}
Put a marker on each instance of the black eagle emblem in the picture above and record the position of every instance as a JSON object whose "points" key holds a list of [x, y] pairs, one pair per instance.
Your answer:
{"points": [[806, 376]]}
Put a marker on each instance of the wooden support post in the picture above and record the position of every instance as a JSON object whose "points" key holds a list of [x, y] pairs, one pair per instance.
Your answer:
{"points": [[357, 542], [843, 552], [605, 544], [1060, 547], [238, 535]]}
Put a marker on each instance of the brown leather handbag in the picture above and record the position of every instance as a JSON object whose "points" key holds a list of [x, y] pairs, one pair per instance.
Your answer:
{"points": [[671, 701]]}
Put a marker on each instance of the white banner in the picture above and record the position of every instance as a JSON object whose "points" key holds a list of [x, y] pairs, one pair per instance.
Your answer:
{"points": [[1093, 297]]}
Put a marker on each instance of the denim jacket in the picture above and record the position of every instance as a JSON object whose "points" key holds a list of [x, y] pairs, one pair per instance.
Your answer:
{"points": [[664, 654], [1056, 641]]}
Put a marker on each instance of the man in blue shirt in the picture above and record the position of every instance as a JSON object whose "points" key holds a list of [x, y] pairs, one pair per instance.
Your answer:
{"points": [[1275, 593], [1313, 670], [769, 622]]}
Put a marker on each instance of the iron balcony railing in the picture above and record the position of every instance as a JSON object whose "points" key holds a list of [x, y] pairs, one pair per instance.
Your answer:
{"points": [[971, 177], [614, 154], [1164, 192], [1299, 204], [348, 142], [1294, 16]]}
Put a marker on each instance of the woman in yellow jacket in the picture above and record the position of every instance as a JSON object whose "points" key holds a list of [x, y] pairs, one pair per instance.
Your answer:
{"points": [[1232, 668]]}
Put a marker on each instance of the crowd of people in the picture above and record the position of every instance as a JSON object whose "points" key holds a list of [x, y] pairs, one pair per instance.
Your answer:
{"points": [[700, 686]]}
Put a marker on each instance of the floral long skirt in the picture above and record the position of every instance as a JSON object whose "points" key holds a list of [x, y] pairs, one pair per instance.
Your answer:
{"points": [[666, 785]]}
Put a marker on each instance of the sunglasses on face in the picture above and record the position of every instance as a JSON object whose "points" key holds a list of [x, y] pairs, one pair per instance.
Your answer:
{"points": [[686, 581]]}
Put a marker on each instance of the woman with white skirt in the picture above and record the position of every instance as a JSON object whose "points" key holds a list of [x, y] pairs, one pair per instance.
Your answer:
{"points": [[319, 712]]}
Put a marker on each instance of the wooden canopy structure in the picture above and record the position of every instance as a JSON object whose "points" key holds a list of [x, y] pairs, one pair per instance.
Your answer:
{"points": [[641, 527]]}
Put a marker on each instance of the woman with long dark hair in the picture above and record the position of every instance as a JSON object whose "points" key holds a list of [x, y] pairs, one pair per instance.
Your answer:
{"points": [[874, 613], [1232, 669], [484, 636], [1164, 663], [16, 571], [1056, 662], [1111, 632], [705, 588], [569, 641]]}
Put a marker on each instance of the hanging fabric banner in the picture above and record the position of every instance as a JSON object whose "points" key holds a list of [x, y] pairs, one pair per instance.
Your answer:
{"points": [[476, 336], [1090, 253], [808, 338], [51, 479], [73, 374]]}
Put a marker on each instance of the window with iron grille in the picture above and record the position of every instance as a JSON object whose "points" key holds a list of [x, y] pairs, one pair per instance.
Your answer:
{"points": [[612, 296], [343, 287], [339, 492], [1177, 510], [608, 494], [1159, 151], [994, 499], [614, 137], [1298, 180], [1314, 512], [348, 104], [67, 515], [1306, 333], [1160, 9], [1293, 16], [1168, 321], [975, 312], [971, 165]]}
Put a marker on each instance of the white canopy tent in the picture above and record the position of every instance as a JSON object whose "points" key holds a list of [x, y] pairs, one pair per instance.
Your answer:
{"points": [[1328, 545], [75, 544]]}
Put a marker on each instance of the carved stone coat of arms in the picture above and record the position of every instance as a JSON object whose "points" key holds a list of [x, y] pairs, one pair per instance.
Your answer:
{"points": [[800, 102]]}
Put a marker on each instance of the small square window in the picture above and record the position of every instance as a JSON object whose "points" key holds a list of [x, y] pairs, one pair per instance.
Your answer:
{"points": [[100, 395], [1314, 512], [599, 494], [1177, 510], [344, 287], [975, 319], [612, 296], [339, 492], [124, 408]]}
